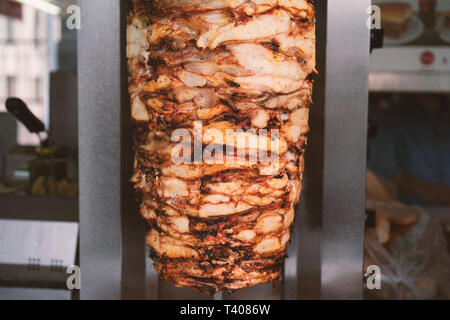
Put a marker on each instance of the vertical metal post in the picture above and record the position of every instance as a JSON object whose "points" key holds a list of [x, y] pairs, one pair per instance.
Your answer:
{"points": [[345, 139], [99, 149], [111, 239]]}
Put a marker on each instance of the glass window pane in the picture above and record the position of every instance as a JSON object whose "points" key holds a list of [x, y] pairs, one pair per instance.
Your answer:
{"points": [[26, 54]]}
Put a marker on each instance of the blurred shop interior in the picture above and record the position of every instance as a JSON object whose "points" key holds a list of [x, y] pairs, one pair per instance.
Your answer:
{"points": [[408, 164], [408, 157], [38, 154]]}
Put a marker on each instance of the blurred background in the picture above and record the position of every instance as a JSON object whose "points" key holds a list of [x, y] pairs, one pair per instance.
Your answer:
{"points": [[408, 157], [408, 164]]}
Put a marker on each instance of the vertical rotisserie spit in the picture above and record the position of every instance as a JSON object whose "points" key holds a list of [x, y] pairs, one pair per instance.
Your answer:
{"points": [[220, 95]]}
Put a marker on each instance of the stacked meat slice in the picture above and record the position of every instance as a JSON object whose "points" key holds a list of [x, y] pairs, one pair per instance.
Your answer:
{"points": [[224, 66]]}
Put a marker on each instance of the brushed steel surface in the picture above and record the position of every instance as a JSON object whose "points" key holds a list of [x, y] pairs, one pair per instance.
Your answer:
{"points": [[47, 243], [7, 293], [99, 96], [345, 139], [36, 253], [112, 236]]}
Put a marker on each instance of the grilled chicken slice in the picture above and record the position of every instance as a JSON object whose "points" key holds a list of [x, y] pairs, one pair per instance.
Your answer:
{"points": [[220, 92]]}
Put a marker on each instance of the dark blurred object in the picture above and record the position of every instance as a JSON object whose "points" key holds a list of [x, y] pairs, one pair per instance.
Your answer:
{"points": [[11, 9], [376, 39], [22, 113], [16, 163], [8, 139], [44, 173], [447, 19], [436, 194], [370, 218], [48, 169], [41, 171], [428, 13], [64, 108], [20, 110], [373, 128]]}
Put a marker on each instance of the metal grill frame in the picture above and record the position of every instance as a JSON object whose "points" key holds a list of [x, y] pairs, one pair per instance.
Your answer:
{"points": [[326, 253]]}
